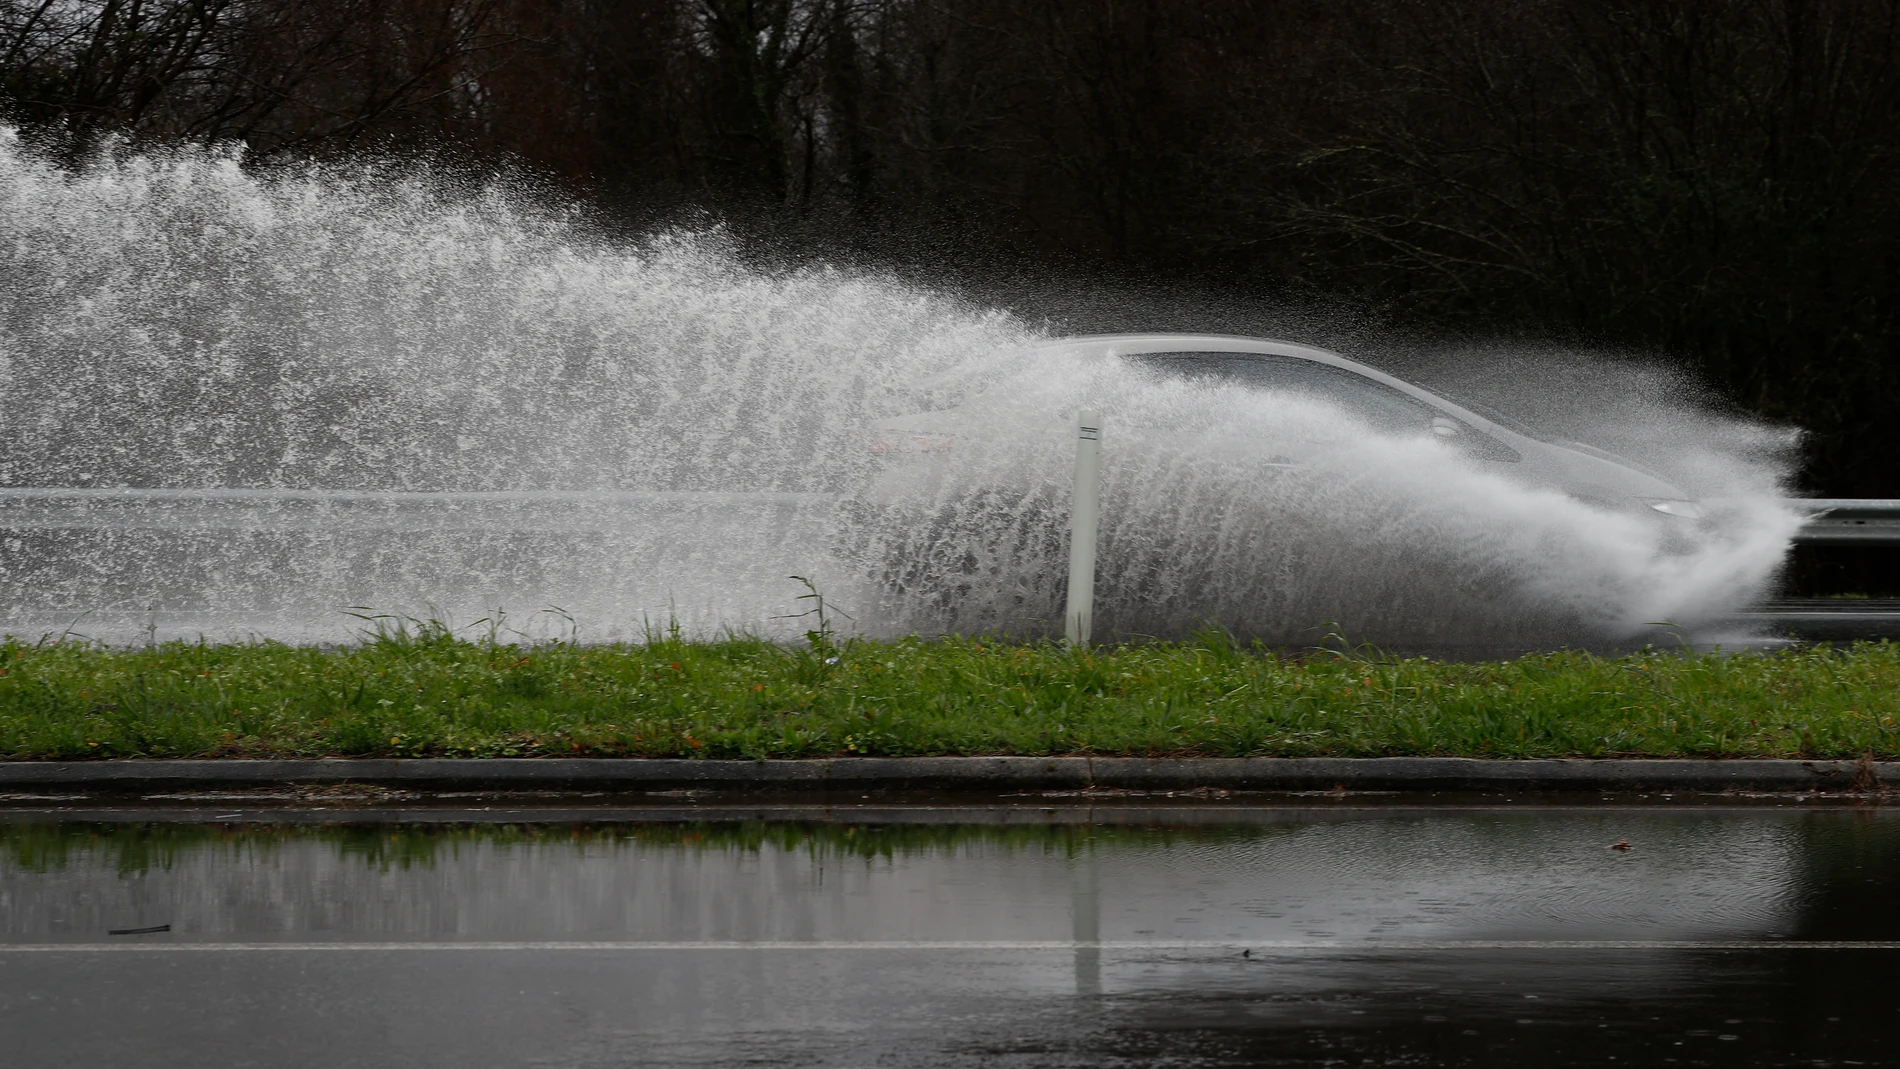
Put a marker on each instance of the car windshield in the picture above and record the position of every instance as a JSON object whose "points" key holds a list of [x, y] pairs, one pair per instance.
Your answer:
{"points": [[1375, 403]]}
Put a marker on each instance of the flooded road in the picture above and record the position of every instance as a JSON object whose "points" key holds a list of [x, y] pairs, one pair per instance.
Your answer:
{"points": [[900, 936]]}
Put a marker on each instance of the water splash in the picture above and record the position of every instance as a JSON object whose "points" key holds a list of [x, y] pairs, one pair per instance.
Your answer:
{"points": [[444, 398]]}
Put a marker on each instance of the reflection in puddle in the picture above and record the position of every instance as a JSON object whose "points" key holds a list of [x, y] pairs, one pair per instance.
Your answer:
{"points": [[1277, 938]]}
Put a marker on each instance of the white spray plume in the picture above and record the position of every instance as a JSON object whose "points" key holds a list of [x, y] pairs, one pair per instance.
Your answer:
{"points": [[169, 320]]}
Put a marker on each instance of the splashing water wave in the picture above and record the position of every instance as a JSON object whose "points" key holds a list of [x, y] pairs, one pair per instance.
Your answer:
{"points": [[430, 398]]}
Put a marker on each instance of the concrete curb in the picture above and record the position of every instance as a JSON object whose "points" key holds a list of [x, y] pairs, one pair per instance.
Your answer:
{"points": [[956, 773]]}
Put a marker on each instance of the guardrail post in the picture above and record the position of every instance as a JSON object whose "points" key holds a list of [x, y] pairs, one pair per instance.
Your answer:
{"points": [[1079, 616]]}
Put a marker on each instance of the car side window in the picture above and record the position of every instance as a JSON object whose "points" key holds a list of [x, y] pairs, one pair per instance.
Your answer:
{"points": [[1372, 402]]}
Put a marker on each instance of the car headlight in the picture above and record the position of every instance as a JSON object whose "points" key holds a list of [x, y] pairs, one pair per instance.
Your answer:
{"points": [[1687, 510]]}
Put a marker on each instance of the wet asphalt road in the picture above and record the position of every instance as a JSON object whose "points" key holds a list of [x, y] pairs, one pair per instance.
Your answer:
{"points": [[1739, 935]]}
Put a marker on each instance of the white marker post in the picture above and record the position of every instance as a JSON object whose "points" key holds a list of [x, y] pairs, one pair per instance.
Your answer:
{"points": [[1079, 619]]}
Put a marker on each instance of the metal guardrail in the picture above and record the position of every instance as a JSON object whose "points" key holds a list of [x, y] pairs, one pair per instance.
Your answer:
{"points": [[368, 510], [144, 497], [1867, 522]]}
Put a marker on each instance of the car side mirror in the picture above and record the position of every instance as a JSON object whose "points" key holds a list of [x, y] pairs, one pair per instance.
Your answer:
{"points": [[1471, 442]]}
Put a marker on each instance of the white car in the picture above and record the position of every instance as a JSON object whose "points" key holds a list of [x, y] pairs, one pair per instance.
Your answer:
{"points": [[1378, 400], [947, 524]]}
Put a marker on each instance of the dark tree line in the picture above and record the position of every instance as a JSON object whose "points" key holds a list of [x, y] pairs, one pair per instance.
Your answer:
{"points": [[1713, 178]]}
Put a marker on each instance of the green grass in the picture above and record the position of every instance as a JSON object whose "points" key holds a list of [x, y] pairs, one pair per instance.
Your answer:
{"points": [[424, 692]]}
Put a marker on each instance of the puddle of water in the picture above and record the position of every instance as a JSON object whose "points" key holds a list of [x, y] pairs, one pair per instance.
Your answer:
{"points": [[1277, 937]]}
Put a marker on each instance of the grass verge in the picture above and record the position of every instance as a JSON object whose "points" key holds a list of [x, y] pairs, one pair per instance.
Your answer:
{"points": [[425, 692]]}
